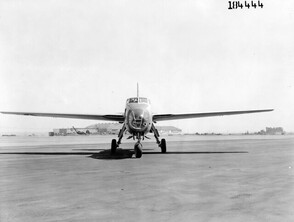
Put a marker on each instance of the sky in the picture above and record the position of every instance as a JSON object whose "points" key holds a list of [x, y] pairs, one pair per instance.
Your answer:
{"points": [[188, 56]]}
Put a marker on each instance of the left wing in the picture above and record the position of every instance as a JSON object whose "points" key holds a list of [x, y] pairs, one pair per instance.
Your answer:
{"points": [[119, 118], [161, 117]]}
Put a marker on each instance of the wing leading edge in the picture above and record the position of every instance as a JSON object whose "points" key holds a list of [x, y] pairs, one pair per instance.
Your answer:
{"points": [[119, 118], [162, 117]]}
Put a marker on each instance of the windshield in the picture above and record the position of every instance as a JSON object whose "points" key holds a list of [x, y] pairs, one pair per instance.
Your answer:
{"points": [[143, 100], [135, 100]]}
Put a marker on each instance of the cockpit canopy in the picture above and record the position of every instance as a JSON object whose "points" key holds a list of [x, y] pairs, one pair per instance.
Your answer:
{"points": [[138, 100]]}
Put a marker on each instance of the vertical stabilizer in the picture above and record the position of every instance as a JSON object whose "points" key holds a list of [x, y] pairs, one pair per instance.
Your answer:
{"points": [[138, 90]]}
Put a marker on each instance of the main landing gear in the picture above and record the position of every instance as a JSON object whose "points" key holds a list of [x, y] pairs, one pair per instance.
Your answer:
{"points": [[162, 143], [114, 145]]}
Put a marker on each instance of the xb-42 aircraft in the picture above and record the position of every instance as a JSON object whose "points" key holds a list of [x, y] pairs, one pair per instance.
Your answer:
{"points": [[138, 120]]}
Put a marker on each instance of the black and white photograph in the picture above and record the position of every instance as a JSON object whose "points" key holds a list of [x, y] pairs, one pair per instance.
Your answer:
{"points": [[146, 110]]}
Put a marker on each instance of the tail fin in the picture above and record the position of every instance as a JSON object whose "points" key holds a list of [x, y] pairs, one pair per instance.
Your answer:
{"points": [[137, 90], [74, 129]]}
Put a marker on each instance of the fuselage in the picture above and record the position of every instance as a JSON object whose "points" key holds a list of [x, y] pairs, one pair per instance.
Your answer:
{"points": [[138, 116]]}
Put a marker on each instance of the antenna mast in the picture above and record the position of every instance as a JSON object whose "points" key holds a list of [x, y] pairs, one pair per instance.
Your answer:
{"points": [[138, 91]]}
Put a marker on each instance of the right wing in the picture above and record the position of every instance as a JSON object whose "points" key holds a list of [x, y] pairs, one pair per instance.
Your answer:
{"points": [[162, 117], [119, 118]]}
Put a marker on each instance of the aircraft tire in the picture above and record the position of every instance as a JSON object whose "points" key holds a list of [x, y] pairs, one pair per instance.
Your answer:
{"points": [[163, 146], [113, 146], [138, 150]]}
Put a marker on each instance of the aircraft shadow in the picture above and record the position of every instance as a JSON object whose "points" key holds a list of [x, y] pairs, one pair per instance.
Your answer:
{"points": [[47, 153], [119, 154], [194, 152], [128, 153]]}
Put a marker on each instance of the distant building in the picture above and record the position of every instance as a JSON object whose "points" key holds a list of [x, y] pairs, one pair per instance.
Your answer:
{"points": [[108, 128], [272, 131], [71, 131], [168, 130]]}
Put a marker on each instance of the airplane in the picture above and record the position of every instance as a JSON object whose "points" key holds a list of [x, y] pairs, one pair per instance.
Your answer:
{"points": [[138, 120], [80, 132]]}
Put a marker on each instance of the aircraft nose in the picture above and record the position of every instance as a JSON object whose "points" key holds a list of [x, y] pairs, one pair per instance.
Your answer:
{"points": [[138, 119]]}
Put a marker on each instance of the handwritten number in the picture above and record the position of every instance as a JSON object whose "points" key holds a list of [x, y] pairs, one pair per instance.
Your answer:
{"points": [[239, 4]]}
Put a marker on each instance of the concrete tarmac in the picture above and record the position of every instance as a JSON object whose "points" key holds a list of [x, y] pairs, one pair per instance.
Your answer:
{"points": [[220, 178]]}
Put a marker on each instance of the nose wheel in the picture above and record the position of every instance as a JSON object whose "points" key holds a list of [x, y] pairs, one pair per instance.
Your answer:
{"points": [[138, 150]]}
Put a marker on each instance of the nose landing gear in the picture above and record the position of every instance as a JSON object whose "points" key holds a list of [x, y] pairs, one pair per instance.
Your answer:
{"points": [[138, 150]]}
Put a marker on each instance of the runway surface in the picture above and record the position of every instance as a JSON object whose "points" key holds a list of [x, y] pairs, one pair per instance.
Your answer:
{"points": [[220, 178]]}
